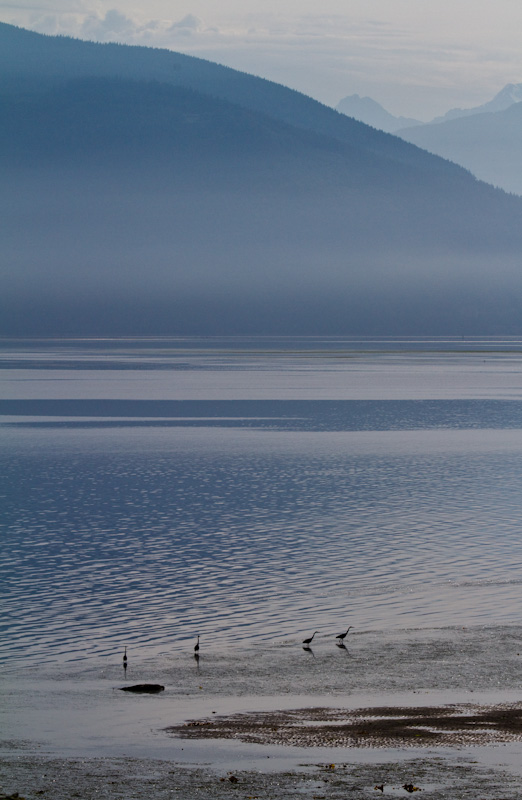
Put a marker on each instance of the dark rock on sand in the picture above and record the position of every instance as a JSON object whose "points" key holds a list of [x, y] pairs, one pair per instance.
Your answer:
{"points": [[143, 688], [14, 796]]}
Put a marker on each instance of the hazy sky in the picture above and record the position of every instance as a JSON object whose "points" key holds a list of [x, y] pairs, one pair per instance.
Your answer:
{"points": [[416, 57]]}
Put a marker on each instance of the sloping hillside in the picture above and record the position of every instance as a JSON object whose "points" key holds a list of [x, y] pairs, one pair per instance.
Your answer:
{"points": [[149, 192], [30, 61]]}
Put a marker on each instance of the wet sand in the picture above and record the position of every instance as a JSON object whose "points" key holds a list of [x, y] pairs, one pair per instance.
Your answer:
{"points": [[433, 710], [390, 726]]}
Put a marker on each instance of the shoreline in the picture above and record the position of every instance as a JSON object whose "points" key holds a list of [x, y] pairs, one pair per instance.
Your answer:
{"points": [[72, 735]]}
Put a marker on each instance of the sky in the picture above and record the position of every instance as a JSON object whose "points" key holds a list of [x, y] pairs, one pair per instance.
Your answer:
{"points": [[418, 58]]}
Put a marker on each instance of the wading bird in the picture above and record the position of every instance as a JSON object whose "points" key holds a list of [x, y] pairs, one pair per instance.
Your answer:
{"points": [[125, 659], [308, 642], [196, 646], [342, 636]]}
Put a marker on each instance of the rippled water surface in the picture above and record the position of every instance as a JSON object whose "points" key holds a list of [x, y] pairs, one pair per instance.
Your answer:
{"points": [[255, 490]]}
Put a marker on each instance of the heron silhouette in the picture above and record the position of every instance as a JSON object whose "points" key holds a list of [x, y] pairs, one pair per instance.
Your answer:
{"points": [[308, 642], [196, 646], [125, 659], [342, 636]]}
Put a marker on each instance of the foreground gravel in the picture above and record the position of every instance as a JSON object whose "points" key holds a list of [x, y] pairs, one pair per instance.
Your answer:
{"points": [[91, 779]]}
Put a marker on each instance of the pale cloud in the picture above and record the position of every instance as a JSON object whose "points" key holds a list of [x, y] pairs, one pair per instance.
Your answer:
{"points": [[21, 8], [113, 24], [189, 23]]}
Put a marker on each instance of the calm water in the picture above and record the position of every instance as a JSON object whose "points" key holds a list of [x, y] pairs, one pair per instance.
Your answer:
{"points": [[255, 490]]}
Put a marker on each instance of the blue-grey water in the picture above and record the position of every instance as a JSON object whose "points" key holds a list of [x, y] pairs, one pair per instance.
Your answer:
{"points": [[255, 490]]}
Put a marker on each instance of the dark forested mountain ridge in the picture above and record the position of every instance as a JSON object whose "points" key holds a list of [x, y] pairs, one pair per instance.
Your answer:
{"points": [[32, 62], [151, 192]]}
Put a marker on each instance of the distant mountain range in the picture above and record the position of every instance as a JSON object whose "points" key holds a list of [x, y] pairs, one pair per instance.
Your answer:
{"points": [[511, 93], [486, 139], [489, 144], [372, 113], [148, 192]]}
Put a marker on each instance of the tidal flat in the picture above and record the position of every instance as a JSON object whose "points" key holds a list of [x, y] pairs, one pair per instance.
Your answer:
{"points": [[274, 721]]}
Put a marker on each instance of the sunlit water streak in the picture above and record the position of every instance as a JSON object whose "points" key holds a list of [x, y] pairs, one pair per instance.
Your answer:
{"points": [[146, 522]]}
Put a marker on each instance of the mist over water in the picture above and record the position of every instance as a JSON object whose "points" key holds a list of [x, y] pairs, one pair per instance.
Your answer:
{"points": [[255, 491]]}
